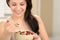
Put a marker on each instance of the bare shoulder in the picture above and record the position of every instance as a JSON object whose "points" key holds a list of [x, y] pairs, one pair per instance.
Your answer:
{"points": [[42, 31]]}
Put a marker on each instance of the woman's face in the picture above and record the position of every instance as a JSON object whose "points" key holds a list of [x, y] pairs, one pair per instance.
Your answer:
{"points": [[18, 7]]}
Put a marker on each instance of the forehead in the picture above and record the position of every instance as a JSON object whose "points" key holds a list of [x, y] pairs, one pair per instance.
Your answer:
{"points": [[18, 1]]}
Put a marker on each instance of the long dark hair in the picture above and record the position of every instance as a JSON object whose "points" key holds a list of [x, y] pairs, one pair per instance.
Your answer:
{"points": [[29, 18]]}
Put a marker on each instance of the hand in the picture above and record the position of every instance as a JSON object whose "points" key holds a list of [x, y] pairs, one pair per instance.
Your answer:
{"points": [[36, 37], [10, 27]]}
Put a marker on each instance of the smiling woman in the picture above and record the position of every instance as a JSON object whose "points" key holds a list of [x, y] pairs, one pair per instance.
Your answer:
{"points": [[22, 19], [18, 7]]}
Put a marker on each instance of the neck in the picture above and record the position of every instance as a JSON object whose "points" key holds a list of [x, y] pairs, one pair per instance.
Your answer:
{"points": [[17, 19]]}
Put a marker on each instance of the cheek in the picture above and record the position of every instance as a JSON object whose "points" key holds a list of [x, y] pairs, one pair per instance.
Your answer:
{"points": [[24, 8], [12, 8]]}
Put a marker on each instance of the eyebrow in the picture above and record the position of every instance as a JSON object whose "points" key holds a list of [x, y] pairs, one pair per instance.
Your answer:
{"points": [[15, 2]]}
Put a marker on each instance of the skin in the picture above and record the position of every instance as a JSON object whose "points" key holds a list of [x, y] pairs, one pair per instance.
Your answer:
{"points": [[18, 9], [42, 31]]}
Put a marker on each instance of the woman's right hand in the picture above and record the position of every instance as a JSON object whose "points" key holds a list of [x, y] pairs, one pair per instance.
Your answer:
{"points": [[10, 27], [36, 37]]}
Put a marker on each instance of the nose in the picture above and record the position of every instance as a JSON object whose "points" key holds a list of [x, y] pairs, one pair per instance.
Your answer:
{"points": [[18, 8]]}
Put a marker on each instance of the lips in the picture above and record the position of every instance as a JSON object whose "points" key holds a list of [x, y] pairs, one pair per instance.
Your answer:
{"points": [[18, 13]]}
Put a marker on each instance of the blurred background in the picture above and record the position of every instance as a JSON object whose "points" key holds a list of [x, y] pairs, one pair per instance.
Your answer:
{"points": [[48, 10]]}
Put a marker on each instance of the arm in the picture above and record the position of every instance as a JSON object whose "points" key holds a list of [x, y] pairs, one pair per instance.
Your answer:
{"points": [[1, 29], [42, 31]]}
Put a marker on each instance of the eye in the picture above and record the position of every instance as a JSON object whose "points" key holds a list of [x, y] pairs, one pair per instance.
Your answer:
{"points": [[14, 4], [22, 4]]}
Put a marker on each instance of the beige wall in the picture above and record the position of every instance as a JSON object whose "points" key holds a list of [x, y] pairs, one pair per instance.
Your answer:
{"points": [[34, 9], [47, 15], [56, 18]]}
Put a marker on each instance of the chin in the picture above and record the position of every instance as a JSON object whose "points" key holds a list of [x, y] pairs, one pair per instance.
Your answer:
{"points": [[19, 15]]}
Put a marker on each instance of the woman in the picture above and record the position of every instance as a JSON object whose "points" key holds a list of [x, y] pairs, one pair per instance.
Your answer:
{"points": [[21, 10]]}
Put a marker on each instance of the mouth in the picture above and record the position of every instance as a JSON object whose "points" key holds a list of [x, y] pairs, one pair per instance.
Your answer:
{"points": [[18, 13]]}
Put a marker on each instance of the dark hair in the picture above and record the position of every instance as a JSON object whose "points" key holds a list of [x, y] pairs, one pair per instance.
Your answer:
{"points": [[29, 18]]}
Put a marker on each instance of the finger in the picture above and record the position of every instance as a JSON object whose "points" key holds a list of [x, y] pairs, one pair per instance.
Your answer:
{"points": [[11, 27], [36, 36], [8, 25], [39, 38], [7, 21]]}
